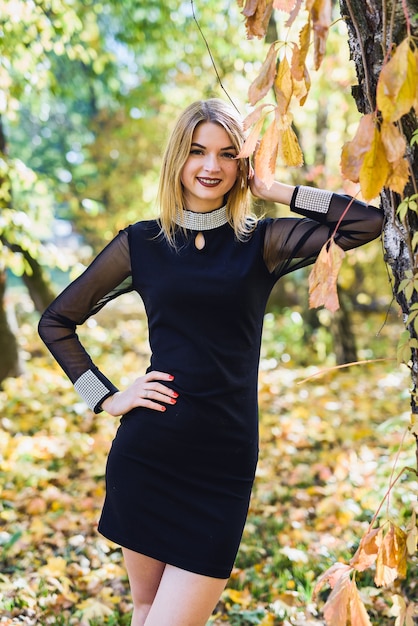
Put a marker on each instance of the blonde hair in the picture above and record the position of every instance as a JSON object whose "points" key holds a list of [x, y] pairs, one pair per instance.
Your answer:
{"points": [[170, 191]]}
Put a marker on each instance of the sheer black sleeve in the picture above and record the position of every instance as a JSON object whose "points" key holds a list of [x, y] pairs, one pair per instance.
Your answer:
{"points": [[107, 277], [291, 243]]}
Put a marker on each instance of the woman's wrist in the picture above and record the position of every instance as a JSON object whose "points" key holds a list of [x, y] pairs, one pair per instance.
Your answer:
{"points": [[280, 193]]}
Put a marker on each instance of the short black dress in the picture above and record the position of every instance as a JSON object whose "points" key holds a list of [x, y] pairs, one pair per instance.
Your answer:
{"points": [[178, 482]]}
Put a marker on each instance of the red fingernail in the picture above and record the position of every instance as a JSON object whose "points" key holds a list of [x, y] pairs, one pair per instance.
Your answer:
{"points": [[162, 408], [173, 401], [171, 377], [175, 394]]}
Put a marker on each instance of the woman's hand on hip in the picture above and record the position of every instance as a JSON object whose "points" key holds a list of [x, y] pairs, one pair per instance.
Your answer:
{"points": [[148, 391]]}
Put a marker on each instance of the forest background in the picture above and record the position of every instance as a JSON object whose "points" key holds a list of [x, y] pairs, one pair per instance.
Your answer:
{"points": [[88, 94]]}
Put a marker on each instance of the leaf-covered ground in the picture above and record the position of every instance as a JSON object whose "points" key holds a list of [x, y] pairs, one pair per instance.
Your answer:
{"points": [[329, 447]]}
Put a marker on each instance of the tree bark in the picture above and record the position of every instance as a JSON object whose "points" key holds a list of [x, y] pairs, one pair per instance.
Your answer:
{"points": [[374, 28]]}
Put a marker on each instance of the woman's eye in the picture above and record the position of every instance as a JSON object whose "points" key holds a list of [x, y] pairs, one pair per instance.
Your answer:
{"points": [[229, 155], [196, 151]]}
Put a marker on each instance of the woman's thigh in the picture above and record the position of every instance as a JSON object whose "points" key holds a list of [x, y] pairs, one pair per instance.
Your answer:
{"points": [[144, 576], [184, 598]]}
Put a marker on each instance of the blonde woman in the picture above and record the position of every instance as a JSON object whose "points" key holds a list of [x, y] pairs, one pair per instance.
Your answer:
{"points": [[182, 464]]}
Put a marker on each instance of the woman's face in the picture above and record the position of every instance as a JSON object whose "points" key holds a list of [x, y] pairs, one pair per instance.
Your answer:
{"points": [[210, 170]]}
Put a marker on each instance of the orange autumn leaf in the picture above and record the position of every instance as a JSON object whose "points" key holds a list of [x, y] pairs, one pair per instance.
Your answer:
{"points": [[283, 86], [252, 139], [358, 613], [367, 551], [353, 151], [265, 78], [393, 140], [336, 607], [266, 155], [323, 277], [375, 168], [257, 14], [320, 11], [300, 52], [294, 13], [398, 175], [397, 84], [391, 559]]}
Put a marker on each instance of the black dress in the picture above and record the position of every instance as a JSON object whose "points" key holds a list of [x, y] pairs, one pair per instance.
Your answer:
{"points": [[178, 482]]}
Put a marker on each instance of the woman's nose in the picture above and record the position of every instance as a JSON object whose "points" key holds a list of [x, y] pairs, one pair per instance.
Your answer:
{"points": [[211, 163]]}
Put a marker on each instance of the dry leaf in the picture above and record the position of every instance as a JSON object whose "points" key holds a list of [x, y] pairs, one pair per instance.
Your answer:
{"points": [[336, 607], [300, 52], [358, 613], [289, 149], [412, 534], [323, 277], [353, 152], [404, 613], [283, 86], [332, 576], [255, 115], [257, 13], [393, 141], [367, 551], [397, 84], [398, 176], [266, 155], [284, 5], [252, 139], [375, 168], [391, 559], [264, 80], [320, 11]]}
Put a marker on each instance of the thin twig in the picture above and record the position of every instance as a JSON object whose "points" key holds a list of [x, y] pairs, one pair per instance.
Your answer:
{"points": [[211, 58]]}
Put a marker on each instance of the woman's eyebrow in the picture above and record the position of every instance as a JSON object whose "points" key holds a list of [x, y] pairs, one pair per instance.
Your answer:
{"points": [[199, 145]]}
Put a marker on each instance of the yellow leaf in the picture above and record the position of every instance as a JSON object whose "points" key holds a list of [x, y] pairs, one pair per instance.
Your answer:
{"points": [[332, 575], [397, 84], [55, 566], [391, 558], [323, 277], [93, 609], [283, 86], [375, 169], [264, 80], [353, 151], [367, 550], [358, 613], [257, 13], [266, 155], [288, 147]]}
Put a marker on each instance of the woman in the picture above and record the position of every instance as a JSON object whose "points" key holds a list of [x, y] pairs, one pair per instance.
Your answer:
{"points": [[181, 467]]}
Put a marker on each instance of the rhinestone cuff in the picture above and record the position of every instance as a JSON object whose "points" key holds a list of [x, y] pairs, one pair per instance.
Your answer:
{"points": [[201, 221], [91, 389], [312, 199]]}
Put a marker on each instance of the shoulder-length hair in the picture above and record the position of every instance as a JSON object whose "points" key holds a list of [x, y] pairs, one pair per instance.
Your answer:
{"points": [[170, 191]]}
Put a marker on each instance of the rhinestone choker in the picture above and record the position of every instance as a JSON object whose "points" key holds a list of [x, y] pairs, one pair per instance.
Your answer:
{"points": [[201, 221]]}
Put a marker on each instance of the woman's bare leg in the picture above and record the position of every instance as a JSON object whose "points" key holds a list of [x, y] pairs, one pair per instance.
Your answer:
{"points": [[144, 578], [184, 598]]}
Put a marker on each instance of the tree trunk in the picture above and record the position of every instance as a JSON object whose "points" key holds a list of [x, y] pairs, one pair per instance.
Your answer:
{"points": [[373, 28], [9, 353]]}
